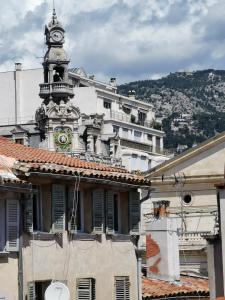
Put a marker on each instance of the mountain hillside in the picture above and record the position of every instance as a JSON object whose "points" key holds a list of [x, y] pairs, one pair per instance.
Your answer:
{"points": [[191, 105]]}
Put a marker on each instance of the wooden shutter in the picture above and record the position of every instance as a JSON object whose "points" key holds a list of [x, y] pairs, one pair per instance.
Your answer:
{"points": [[31, 291], [12, 215], [58, 207], [110, 212], [28, 214], [134, 212], [122, 288], [98, 210], [85, 289]]}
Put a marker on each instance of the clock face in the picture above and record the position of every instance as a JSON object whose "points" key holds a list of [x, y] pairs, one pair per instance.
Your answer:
{"points": [[57, 36]]}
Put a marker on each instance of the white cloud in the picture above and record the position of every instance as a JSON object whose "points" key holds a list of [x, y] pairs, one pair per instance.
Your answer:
{"points": [[129, 39]]}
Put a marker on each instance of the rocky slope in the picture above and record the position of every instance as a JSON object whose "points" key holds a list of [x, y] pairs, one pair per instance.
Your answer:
{"points": [[191, 105]]}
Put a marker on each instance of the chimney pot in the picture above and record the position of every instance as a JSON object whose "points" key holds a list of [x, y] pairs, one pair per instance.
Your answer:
{"points": [[160, 209], [18, 66]]}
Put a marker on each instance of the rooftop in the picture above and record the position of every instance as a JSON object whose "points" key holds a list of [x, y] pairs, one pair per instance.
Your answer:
{"points": [[34, 159], [187, 286]]}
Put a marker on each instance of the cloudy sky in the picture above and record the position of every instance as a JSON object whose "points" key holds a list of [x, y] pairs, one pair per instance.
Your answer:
{"points": [[127, 39]]}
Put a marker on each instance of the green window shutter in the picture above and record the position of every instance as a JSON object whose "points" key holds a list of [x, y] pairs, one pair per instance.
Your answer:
{"points": [[12, 215], [58, 208], [31, 291], [122, 288], [86, 289], [98, 210], [110, 212], [134, 212], [28, 217]]}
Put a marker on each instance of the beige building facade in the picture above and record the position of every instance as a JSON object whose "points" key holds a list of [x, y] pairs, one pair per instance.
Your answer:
{"points": [[68, 221], [189, 182]]}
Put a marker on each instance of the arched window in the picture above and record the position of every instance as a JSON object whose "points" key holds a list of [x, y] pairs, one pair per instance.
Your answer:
{"points": [[58, 74]]}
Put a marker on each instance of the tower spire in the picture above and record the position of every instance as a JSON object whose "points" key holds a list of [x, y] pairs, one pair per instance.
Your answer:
{"points": [[54, 16]]}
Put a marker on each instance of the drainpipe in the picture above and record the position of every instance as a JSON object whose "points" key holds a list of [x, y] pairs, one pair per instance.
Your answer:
{"points": [[139, 252]]}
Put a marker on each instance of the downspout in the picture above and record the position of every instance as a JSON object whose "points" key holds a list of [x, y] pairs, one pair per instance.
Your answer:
{"points": [[20, 260], [139, 252]]}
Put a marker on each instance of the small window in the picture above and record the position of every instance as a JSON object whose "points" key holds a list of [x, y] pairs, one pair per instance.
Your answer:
{"points": [[137, 135], [187, 199], [86, 289], [116, 128], [141, 118], [122, 288], [149, 137], [107, 105], [126, 109], [19, 141]]}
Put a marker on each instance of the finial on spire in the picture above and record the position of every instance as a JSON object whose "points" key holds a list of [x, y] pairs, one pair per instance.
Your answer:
{"points": [[54, 17]]}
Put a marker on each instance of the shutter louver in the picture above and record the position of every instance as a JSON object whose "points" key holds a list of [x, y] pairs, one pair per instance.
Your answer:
{"points": [[122, 286], [31, 291], [110, 212], [134, 212], [85, 289], [58, 207], [12, 225], [98, 210], [28, 222]]}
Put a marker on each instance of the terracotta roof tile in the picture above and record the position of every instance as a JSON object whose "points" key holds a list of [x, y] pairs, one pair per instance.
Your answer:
{"points": [[48, 161], [187, 286]]}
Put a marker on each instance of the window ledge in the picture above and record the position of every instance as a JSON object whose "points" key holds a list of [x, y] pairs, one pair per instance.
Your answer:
{"points": [[4, 253], [82, 236], [121, 237], [40, 235]]}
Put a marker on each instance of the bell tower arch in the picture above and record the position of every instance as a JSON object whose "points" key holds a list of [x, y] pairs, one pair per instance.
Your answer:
{"points": [[57, 118]]}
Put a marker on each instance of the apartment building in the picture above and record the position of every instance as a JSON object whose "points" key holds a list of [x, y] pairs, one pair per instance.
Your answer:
{"points": [[67, 221]]}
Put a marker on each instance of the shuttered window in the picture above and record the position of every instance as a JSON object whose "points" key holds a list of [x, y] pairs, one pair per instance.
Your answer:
{"points": [[98, 210], [74, 211], [86, 289], [12, 216], [122, 288], [134, 212], [31, 291], [58, 208], [28, 213], [110, 212]]}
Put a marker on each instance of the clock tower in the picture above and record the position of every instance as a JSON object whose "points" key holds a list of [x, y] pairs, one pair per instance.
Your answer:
{"points": [[57, 118]]}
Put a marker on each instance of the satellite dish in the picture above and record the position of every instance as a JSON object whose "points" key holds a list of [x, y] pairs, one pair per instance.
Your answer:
{"points": [[57, 291]]}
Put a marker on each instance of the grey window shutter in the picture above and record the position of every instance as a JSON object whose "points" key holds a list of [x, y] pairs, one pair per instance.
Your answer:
{"points": [[28, 218], [31, 291], [134, 212], [98, 210], [12, 225], [110, 212], [86, 289], [122, 288], [58, 207]]}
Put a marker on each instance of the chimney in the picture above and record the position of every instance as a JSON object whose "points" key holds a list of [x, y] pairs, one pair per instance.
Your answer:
{"points": [[18, 67], [112, 81], [132, 94], [162, 244]]}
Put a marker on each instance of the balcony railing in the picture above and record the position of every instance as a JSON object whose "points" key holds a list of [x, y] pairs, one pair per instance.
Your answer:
{"points": [[192, 238], [136, 145], [119, 116], [57, 89]]}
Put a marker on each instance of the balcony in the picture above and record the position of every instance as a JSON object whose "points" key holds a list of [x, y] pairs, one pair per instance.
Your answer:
{"points": [[123, 117], [56, 89], [192, 239], [135, 145]]}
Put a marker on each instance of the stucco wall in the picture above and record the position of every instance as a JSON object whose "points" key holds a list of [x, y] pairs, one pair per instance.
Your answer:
{"points": [[9, 277], [102, 260]]}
